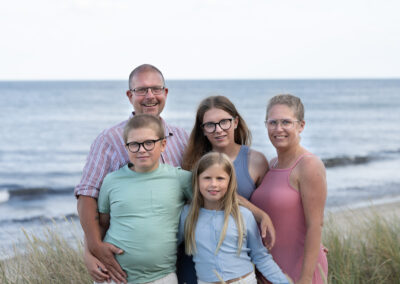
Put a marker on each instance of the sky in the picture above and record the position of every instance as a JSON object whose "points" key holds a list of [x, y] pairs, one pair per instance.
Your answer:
{"points": [[199, 39]]}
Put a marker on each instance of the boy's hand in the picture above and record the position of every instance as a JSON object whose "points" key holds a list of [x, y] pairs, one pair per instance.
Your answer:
{"points": [[105, 253], [267, 231]]}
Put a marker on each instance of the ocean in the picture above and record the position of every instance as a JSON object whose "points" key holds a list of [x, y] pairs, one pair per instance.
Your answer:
{"points": [[47, 128]]}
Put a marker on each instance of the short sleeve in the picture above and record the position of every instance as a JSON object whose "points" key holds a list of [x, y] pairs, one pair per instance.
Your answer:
{"points": [[185, 180], [181, 231], [103, 202]]}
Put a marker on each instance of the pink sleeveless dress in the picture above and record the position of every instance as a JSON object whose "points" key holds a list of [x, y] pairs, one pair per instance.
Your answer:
{"points": [[283, 204]]}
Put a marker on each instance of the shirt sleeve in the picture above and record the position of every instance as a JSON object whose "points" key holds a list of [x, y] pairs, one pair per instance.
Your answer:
{"points": [[103, 203], [181, 231], [185, 180], [259, 254], [98, 165]]}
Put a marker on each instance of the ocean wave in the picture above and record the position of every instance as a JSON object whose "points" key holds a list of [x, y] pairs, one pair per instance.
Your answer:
{"points": [[396, 151], [40, 219], [346, 160], [33, 191], [4, 196]]}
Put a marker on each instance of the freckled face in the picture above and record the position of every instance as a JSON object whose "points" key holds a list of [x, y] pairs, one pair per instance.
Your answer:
{"points": [[213, 184], [220, 138], [280, 137]]}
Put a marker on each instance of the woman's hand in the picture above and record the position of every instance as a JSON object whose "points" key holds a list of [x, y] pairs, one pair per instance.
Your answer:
{"points": [[267, 231]]}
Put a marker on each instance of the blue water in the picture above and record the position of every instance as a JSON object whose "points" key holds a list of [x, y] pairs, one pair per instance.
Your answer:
{"points": [[47, 128]]}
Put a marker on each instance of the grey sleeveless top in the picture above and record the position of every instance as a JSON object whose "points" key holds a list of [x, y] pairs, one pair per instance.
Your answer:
{"points": [[246, 185]]}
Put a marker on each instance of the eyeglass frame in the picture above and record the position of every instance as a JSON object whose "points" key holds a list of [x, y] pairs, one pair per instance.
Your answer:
{"points": [[141, 144], [134, 91], [280, 122], [219, 124]]}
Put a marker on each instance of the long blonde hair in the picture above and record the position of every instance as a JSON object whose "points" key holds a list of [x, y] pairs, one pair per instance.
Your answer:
{"points": [[229, 203]]}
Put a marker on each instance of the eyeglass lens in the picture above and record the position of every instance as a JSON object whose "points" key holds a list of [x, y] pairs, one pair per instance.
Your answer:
{"points": [[143, 91], [148, 145], [284, 123], [224, 124]]}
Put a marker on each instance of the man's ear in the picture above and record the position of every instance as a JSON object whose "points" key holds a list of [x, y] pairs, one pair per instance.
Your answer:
{"points": [[129, 94], [165, 92]]}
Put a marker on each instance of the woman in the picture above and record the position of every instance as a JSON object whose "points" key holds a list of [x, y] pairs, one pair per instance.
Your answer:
{"points": [[220, 128], [293, 193]]}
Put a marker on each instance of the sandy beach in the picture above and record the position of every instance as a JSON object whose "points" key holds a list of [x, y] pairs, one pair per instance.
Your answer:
{"points": [[346, 217]]}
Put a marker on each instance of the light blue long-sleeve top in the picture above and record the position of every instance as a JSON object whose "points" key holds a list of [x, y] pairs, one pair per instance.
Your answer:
{"points": [[227, 262]]}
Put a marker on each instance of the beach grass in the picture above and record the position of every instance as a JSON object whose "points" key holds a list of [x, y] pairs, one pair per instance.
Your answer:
{"points": [[49, 258], [362, 249]]}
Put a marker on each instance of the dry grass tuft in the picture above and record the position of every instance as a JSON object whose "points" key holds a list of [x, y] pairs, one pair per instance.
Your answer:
{"points": [[49, 259], [365, 248]]}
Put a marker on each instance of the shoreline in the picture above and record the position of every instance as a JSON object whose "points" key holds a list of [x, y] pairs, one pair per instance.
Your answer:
{"points": [[346, 216]]}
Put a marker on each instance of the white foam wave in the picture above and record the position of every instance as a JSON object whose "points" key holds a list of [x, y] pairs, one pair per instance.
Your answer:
{"points": [[4, 196]]}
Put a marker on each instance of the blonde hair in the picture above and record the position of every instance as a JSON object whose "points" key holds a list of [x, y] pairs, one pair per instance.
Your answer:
{"points": [[143, 121], [289, 100], [229, 203]]}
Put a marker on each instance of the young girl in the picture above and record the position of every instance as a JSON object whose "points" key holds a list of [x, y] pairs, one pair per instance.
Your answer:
{"points": [[222, 236]]}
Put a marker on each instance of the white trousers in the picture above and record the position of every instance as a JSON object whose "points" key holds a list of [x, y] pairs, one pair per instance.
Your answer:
{"points": [[169, 279]]}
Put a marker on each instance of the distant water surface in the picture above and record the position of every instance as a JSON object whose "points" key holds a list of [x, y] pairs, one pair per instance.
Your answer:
{"points": [[47, 128]]}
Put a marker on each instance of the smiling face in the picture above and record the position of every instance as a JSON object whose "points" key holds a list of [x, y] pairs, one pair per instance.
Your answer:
{"points": [[284, 138], [149, 103], [143, 160], [213, 185], [220, 138]]}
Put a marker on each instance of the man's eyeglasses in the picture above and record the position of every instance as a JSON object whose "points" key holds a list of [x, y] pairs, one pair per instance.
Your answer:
{"points": [[285, 123], [148, 145], [156, 90], [224, 124]]}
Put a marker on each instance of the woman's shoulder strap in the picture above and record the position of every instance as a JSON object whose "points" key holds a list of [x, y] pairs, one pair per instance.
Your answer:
{"points": [[300, 158]]}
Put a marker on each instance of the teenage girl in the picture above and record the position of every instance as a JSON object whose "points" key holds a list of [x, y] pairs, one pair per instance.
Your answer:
{"points": [[222, 236]]}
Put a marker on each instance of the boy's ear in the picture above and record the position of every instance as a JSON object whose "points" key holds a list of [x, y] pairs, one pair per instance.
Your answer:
{"points": [[163, 144]]}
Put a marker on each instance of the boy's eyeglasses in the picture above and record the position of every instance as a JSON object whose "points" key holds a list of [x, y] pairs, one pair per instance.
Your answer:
{"points": [[285, 123], [148, 145], [224, 124], [156, 90]]}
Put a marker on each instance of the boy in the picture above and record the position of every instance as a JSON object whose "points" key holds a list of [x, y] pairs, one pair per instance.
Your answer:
{"points": [[140, 204]]}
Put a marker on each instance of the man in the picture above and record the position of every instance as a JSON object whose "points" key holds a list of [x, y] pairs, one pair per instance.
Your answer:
{"points": [[147, 94]]}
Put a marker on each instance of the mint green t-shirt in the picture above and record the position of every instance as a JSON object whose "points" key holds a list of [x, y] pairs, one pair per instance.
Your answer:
{"points": [[144, 213]]}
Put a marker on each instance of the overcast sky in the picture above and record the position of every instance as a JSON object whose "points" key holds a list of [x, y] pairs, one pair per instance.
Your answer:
{"points": [[200, 39]]}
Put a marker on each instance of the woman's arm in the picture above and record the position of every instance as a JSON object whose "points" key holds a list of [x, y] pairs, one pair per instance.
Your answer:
{"points": [[258, 166], [263, 219], [313, 191]]}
